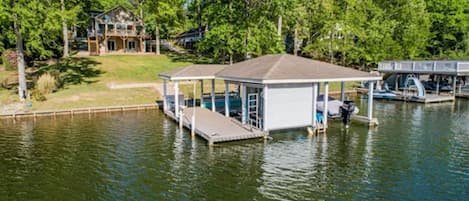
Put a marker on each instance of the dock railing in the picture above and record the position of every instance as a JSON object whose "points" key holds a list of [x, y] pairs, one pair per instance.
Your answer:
{"points": [[432, 67]]}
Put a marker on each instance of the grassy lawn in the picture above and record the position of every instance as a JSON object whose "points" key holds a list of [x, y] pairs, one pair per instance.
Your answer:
{"points": [[134, 68], [94, 90]]}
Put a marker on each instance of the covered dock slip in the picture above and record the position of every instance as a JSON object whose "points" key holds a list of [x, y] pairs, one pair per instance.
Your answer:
{"points": [[439, 80], [207, 123], [271, 92]]}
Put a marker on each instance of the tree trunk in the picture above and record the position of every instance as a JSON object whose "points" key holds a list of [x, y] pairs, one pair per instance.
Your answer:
{"points": [[157, 38], [246, 43], [344, 50], [331, 53], [199, 19], [231, 59], [65, 29], [295, 43], [142, 34], [22, 89], [279, 26], [223, 57]]}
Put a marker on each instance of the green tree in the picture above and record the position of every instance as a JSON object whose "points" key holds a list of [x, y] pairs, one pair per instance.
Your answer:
{"points": [[165, 18], [449, 28]]}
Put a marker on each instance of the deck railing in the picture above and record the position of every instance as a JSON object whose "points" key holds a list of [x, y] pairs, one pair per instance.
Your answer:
{"points": [[437, 67]]}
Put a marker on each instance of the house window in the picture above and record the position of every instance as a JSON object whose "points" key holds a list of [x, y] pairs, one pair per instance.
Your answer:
{"points": [[111, 45], [131, 45]]}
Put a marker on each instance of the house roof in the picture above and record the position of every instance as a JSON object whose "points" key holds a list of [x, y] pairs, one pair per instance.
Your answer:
{"points": [[130, 17], [192, 31], [285, 68], [193, 72]]}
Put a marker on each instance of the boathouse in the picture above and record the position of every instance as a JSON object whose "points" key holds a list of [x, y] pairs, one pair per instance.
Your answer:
{"points": [[276, 91], [439, 74]]}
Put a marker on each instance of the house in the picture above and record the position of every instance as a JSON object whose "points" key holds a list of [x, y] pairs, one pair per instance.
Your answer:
{"points": [[189, 38], [276, 92], [116, 30]]}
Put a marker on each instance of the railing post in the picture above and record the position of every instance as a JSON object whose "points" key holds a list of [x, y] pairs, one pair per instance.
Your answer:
{"points": [[181, 114]]}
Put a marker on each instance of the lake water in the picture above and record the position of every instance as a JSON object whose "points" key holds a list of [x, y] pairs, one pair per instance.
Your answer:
{"points": [[417, 153]]}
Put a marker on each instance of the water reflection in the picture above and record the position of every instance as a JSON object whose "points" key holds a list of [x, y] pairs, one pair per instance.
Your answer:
{"points": [[414, 154]]}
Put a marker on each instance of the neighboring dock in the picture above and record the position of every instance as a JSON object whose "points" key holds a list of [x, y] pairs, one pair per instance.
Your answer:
{"points": [[214, 127], [429, 98], [462, 95]]}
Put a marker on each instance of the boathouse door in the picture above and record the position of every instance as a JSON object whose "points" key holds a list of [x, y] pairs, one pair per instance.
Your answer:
{"points": [[254, 106]]}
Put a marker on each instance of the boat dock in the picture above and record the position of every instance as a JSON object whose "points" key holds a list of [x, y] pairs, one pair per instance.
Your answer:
{"points": [[429, 98], [215, 127], [462, 95]]}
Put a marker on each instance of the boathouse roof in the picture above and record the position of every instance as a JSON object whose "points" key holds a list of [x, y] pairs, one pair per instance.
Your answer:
{"points": [[272, 69], [456, 68], [285, 68], [193, 72]]}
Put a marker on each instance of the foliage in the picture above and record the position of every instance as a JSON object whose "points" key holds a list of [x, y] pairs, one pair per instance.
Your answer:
{"points": [[357, 33], [9, 59], [37, 95], [46, 84], [167, 14], [237, 28]]}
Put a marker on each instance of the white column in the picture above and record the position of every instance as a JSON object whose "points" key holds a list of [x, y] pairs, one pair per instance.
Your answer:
{"points": [[454, 85], [193, 111], [201, 93], [326, 102], [265, 123], [319, 88], [315, 102], [243, 103], [342, 91], [165, 95], [176, 98], [213, 96], [370, 100], [227, 100]]}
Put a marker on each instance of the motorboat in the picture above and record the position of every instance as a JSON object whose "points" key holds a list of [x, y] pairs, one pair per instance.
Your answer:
{"points": [[333, 106]]}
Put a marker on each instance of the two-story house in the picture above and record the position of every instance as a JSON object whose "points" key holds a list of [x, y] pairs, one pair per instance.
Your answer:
{"points": [[116, 30]]}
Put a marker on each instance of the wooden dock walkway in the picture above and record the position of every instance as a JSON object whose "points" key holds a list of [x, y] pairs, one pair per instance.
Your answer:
{"points": [[215, 127], [462, 95], [429, 98]]}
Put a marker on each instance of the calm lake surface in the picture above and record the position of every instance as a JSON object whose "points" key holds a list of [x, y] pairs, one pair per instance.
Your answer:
{"points": [[417, 153]]}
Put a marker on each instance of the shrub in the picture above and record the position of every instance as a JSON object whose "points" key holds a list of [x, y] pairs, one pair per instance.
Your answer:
{"points": [[9, 60], [38, 95], [46, 84]]}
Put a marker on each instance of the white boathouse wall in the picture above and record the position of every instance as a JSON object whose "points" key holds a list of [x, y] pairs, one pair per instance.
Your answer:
{"points": [[288, 106]]}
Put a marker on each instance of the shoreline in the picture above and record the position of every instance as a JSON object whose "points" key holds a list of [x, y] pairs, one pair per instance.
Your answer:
{"points": [[86, 110], [114, 108]]}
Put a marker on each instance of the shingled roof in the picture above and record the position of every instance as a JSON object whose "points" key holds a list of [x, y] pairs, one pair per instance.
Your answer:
{"points": [[193, 72], [285, 68]]}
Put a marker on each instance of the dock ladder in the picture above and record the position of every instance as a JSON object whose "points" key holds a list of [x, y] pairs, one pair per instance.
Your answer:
{"points": [[253, 110]]}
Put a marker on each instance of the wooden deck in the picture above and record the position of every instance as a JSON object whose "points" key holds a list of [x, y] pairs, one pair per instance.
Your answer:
{"points": [[429, 98], [215, 127], [462, 95]]}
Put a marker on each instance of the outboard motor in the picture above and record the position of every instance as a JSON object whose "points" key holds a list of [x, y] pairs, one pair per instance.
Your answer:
{"points": [[346, 111]]}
